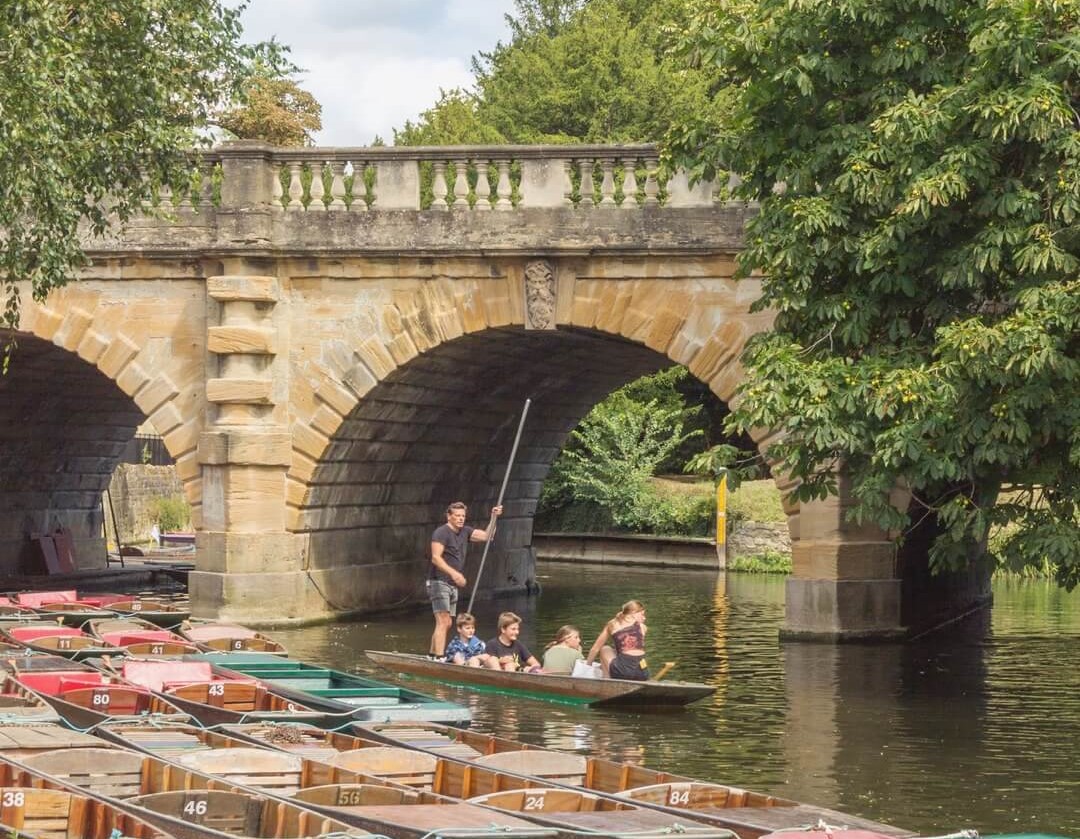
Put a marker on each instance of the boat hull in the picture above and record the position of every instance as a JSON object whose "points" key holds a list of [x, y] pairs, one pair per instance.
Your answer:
{"points": [[610, 693]]}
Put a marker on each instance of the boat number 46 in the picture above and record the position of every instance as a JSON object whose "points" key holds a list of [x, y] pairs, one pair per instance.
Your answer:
{"points": [[195, 808]]}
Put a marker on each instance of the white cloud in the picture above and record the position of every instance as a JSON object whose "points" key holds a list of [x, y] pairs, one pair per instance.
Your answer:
{"points": [[373, 64]]}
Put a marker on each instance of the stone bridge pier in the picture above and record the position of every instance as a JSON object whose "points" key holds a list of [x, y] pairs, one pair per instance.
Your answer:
{"points": [[335, 343]]}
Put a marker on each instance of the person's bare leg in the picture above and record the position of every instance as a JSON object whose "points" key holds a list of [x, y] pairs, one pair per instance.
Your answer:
{"points": [[443, 622]]}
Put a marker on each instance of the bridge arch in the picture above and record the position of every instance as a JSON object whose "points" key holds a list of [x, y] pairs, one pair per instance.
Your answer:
{"points": [[419, 406]]}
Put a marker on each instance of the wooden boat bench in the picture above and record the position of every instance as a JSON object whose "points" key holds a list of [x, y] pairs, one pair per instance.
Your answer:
{"points": [[111, 772], [392, 763], [541, 800], [697, 796], [563, 768], [277, 772], [235, 813]]}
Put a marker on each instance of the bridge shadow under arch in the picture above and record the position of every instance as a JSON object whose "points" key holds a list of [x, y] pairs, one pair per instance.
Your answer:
{"points": [[440, 428]]}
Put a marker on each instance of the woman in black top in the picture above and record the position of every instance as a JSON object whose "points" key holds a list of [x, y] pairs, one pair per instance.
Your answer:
{"points": [[626, 632]]}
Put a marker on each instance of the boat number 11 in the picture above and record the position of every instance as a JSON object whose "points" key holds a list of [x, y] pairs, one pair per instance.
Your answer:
{"points": [[13, 799]]}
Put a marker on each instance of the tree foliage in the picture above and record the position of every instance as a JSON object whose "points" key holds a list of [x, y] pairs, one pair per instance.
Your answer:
{"points": [[99, 102], [917, 167], [271, 105], [572, 72]]}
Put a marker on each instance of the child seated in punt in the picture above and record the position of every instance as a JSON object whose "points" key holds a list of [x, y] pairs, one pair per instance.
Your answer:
{"points": [[466, 648]]}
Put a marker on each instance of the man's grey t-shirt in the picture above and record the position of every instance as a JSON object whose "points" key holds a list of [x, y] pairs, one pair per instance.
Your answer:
{"points": [[454, 547]]}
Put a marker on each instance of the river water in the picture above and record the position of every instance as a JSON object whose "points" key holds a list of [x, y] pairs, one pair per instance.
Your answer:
{"points": [[977, 727]]}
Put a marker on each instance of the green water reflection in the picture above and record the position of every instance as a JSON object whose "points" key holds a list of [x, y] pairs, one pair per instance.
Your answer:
{"points": [[977, 729]]}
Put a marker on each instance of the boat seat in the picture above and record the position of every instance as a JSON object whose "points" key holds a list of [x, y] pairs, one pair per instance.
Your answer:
{"points": [[553, 766], [393, 763], [277, 772], [235, 813], [113, 701], [232, 695], [112, 772], [259, 645], [44, 813], [36, 599], [356, 795], [540, 801], [697, 796], [153, 674]]}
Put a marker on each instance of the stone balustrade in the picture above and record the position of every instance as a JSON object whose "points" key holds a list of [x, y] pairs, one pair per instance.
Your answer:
{"points": [[453, 178]]}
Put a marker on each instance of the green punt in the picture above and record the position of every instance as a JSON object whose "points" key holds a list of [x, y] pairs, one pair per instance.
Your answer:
{"points": [[318, 687]]}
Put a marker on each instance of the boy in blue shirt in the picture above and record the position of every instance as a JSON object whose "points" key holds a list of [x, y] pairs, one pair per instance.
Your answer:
{"points": [[466, 648]]}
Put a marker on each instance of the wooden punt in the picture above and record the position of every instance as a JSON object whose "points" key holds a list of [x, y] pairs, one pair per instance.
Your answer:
{"points": [[27, 811], [158, 611], [64, 605], [85, 697], [140, 637], [18, 705], [179, 801], [231, 637], [749, 814], [335, 757], [343, 693], [217, 697], [22, 739], [608, 693], [56, 639]]}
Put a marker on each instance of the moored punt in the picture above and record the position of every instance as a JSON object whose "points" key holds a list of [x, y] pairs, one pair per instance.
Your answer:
{"points": [[389, 793], [343, 693], [22, 740], [139, 637], [56, 639], [229, 637], [213, 697], [158, 611], [64, 605], [57, 813], [18, 705], [609, 693], [85, 697], [181, 802], [749, 814]]}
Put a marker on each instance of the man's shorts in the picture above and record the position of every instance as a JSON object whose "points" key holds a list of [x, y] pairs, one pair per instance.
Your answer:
{"points": [[443, 596]]}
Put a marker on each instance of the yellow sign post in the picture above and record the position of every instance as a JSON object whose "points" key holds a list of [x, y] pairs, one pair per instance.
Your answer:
{"points": [[721, 519]]}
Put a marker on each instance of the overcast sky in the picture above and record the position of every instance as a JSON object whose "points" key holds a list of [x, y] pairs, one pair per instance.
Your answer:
{"points": [[373, 64]]}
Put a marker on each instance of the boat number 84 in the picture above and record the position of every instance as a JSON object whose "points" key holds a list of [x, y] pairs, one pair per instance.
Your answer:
{"points": [[679, 798]]}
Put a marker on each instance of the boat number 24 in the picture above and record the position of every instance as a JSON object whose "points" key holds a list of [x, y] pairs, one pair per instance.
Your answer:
{"points": [[534, 802]]}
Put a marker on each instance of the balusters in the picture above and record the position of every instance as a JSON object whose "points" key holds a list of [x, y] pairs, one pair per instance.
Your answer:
{"points": [[337, 185], [277, 194], [504, 189], [629, 184], [438, 187], [585, 169], [652, 182], [607, 184], [483, 186], [296, 186], [317, 189], [461, 184], [359, 187]]}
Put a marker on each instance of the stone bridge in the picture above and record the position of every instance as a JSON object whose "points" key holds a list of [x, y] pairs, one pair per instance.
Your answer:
{"points": [[335, 343]]}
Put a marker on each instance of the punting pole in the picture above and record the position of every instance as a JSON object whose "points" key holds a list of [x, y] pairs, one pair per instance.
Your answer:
{"points": [[502, 491]]}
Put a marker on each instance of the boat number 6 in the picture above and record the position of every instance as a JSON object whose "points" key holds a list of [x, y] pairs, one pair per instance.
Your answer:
{"points": [[195, 808], [534, 802], [13, 799], [238, 644], [217, 690], [678, 798]]}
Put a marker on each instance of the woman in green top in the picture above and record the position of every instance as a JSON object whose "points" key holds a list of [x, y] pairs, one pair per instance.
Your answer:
{"points": [[560, 655]]}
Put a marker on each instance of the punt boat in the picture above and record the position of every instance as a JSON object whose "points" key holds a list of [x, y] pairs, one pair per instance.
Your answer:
{"points": [[608, 693], [56, 639], [158, 611], [24, 739], [84, 696], [229, 637], [57, 813], [749, 814], [422, 779], [64, 605], [214, 696], [20, 706], [178, 801], [343, 693], [138, 636]]}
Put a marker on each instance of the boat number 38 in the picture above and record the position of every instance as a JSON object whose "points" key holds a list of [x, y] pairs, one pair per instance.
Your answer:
{"points": [[13, 799]]}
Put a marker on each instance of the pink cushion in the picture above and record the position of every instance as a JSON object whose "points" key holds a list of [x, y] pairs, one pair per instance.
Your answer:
{"points": [[89, 680], [31, 633], [153, 674], [36, 599], [48, 682]]}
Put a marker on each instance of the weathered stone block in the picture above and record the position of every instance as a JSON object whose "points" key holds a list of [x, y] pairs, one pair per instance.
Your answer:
{"points": [[241, 339]]}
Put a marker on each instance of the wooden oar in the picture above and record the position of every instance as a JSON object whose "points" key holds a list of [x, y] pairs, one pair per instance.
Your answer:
{"points": [[663, 671]]}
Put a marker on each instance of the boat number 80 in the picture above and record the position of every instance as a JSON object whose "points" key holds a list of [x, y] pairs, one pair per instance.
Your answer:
{"points": [[534, 802], [679, 798], [195, 808], [13, 799], [100, 699]]}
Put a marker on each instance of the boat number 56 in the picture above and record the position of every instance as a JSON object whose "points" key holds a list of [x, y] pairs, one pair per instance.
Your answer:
{"points": [[13, 799], [679, 798]]}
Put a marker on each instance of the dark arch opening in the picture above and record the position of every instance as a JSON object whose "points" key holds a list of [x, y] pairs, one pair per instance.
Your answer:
{"points": [[440, 429], [63, 428]]}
